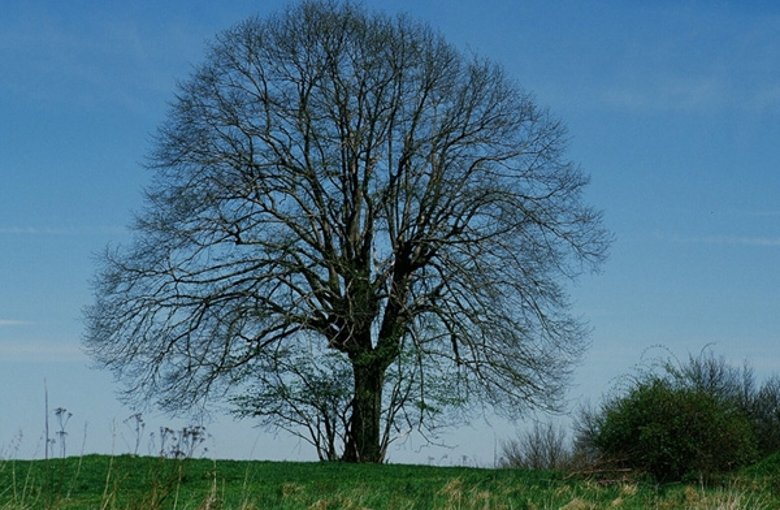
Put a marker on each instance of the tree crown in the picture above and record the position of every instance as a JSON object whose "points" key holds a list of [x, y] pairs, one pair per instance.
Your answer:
{"points": [[333, 176]]}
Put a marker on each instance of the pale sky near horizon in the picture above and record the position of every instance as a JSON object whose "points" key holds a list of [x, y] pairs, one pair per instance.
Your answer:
{"points": [[672, 107]]}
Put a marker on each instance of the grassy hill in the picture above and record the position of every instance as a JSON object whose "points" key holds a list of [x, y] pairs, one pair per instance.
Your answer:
{"points": [[130, 483]]}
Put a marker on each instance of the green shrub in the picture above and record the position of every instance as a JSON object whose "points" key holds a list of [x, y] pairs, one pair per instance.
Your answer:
{"points": [[764, 412], [737, 385], [673, 432]]}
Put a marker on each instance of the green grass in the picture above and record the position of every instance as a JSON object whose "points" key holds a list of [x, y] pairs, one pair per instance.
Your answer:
{"points": [[130, 483]]}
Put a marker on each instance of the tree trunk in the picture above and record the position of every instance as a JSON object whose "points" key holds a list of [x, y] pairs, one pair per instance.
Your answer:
{"points": [[364, 436]]}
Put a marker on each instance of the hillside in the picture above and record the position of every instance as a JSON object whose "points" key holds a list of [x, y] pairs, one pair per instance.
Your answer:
{"points": [[126, 482]]}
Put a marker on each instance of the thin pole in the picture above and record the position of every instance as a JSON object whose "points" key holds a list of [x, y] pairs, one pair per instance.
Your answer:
{"points": [[46, 405]]}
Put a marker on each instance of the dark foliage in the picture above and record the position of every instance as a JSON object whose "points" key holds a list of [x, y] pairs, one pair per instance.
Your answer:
{"points": [[673, 432], [699, 417]]}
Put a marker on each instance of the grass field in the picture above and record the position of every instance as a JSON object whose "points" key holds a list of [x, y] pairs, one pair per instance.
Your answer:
{"points": [[148, 483]]}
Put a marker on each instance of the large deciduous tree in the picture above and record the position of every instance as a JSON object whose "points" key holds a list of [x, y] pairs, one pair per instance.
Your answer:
{"points": [[347, 186]]}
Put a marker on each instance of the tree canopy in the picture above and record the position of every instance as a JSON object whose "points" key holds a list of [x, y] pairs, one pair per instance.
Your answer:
{"points": [[347, 188]]}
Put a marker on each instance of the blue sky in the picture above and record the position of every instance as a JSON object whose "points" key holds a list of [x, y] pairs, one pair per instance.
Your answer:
{"points": [[673, 108]]}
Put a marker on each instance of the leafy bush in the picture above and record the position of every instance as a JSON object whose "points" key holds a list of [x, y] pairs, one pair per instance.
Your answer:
{"points": [[677, 418], [736, 385], [672, 431], [764, 412]]}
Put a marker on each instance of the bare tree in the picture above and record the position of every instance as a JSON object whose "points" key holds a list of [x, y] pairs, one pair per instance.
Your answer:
{"points": [[543, 447], [351, 178], [305, 391]]}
